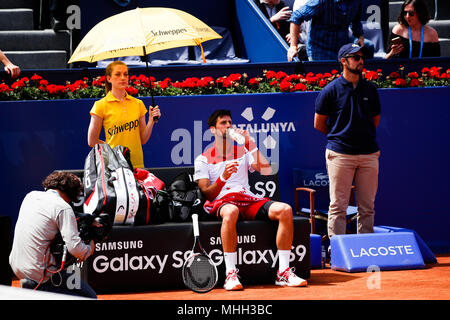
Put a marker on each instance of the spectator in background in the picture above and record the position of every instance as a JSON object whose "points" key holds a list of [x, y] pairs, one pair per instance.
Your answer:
{"points": [[10, 68], [330, 21], [304, 30], [278, 14], [414, 39]]}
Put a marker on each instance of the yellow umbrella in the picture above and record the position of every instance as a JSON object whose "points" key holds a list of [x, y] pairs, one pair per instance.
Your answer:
{"points": [[141, 31]]}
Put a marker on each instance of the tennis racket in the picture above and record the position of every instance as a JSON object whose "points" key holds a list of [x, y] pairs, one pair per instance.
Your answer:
{"points": [[199, 271]]}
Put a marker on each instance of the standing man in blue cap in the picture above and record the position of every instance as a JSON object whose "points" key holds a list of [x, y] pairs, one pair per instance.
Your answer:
{"points": [[347, 110]]}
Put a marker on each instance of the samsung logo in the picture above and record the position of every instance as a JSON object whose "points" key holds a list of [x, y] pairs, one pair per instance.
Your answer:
{"points": [[119, 245]]}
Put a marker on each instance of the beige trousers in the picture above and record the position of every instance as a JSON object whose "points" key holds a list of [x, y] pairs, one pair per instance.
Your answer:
{"points": [[343, 171]]}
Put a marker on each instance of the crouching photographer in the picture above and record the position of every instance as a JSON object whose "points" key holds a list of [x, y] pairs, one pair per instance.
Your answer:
{"points": [[49, 236]]}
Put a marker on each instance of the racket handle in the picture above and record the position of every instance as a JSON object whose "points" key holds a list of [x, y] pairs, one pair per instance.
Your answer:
{"points": [[195, 224]]}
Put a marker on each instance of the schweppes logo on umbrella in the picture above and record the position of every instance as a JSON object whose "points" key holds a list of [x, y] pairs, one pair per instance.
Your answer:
{"points": [[142, 31]]}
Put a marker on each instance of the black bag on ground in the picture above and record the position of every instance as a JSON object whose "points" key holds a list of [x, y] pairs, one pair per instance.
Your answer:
{"points": [[186, 199]]}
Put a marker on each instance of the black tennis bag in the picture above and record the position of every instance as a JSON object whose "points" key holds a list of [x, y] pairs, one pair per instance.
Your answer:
{"points": [[186, 199], [109, 184]]}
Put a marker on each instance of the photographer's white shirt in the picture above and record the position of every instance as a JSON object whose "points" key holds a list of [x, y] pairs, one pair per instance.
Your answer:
{"points": [[42, 215]]}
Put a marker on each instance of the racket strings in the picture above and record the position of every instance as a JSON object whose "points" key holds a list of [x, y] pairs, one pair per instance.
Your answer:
{"points": [[199, 273]]}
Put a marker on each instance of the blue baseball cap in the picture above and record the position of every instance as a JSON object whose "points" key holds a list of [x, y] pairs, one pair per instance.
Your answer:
{"points": [[348, 49]]}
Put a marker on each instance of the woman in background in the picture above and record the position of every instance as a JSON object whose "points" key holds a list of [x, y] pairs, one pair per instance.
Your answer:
{"points": [[416, 39], [121, 115]]}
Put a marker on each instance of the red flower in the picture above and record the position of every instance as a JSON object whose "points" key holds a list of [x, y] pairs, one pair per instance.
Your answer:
{"points": [[371, 75], [132, 91], [334, 71], [55, 89], [281, 75], [425, 71], [413, 75], [293, 77], [312, 80], [253, 82], [209, 80], [322, 83], [414, 82], [399, 82], [36, 77], [435, 72], [18, 84], [165, 83], [43, 82], [394, 75], [234, 77], [203, 82], [4, 88], [285, 86], [227, 83], [271, 74], [300, 87]]}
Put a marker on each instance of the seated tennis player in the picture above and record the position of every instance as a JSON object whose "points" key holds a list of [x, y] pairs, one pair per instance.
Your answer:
{"points": [[222, 175]]}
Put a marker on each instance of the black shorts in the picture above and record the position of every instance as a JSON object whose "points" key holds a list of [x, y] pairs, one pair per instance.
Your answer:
{"points": [[263, 212]]}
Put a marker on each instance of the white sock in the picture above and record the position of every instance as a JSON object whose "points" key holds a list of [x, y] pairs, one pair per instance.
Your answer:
{"points": [[283, 260], [230, 261]]}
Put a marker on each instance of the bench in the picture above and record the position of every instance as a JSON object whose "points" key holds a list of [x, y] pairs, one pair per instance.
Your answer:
{"points": [[146, 258]]}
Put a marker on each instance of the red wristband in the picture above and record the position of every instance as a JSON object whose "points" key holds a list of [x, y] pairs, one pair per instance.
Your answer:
{"points": [[219, 182]]}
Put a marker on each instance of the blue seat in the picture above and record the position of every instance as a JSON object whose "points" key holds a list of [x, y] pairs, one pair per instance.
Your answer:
{"points": [[315, 183]]}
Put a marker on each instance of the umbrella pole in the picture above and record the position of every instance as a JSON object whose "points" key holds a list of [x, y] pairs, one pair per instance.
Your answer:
{"points": [[155, 119], [203, 53]]}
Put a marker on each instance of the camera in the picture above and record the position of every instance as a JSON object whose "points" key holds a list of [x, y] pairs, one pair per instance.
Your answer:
{"points": [[90, 227]]}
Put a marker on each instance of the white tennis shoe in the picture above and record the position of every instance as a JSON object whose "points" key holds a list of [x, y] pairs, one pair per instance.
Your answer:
{"points": [[290, 279], [232, 282]]}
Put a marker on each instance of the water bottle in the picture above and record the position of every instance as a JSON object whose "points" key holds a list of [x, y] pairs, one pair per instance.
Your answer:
{"points": [[323, 257], [240, 139]]}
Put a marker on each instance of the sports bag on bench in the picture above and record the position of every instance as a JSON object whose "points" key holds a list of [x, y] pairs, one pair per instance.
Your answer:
{"points": [[187, 199], [109, 184], [154, 204]]}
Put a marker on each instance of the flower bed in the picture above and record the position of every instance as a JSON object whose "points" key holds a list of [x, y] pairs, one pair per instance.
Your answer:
{"points": [[37, 88]]}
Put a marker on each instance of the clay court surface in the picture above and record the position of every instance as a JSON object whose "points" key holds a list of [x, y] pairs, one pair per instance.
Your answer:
{"points": [[432, 283]]}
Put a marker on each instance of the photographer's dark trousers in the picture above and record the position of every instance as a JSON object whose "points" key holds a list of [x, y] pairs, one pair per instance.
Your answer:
{"points": [[62, 282]]}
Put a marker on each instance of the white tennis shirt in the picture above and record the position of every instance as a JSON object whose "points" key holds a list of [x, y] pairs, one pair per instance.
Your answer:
{"points": [[210, 166]]}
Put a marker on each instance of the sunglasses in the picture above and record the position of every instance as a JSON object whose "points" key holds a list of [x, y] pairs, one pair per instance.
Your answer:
{"points": [[410, 13], [357, 57]]}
